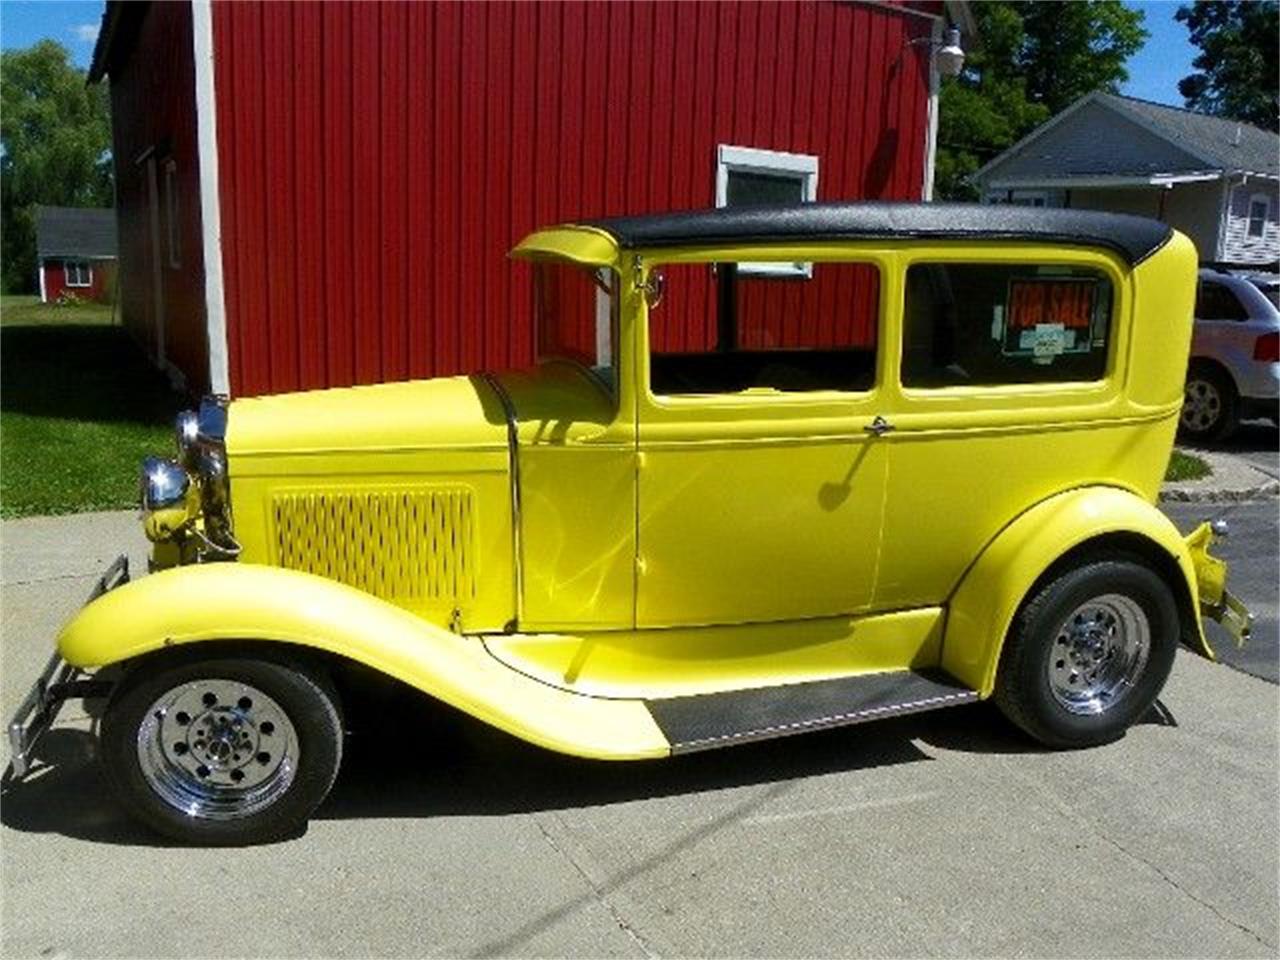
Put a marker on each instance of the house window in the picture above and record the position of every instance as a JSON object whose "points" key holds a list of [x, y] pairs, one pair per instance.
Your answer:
{"points": [[748, 177], [1029, 198], [1259, 210], [172, 225], [78, 273]]}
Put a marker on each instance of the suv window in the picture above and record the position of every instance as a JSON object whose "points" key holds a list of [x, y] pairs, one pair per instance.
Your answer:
{"points": [[993, 324], [1216, 302], [718, 331]]}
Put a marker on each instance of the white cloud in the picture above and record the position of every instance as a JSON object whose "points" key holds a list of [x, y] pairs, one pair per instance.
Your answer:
{"points": [[85, 32]]}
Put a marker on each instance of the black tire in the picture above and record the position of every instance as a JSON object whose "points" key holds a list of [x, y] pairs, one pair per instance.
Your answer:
{"points": [[284, 688], [1210, 404], [1034, 648]]}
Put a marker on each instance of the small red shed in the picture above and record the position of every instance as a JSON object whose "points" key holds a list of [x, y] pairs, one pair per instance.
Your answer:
{"points": [[75, 252], [319, 194]]}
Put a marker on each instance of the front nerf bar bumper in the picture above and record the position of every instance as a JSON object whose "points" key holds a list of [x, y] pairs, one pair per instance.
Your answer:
{"points": [[57, 683], [1216, 601]]}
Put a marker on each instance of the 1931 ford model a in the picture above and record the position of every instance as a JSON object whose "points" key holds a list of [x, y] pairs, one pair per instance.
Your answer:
{"points": [[777, 469]]}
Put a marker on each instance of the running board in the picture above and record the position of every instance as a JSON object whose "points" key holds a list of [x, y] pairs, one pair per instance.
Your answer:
{"points": [[740, 716]]}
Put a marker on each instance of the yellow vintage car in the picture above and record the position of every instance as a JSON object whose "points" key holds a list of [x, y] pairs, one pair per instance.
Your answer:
{"points": [[777, 469]]}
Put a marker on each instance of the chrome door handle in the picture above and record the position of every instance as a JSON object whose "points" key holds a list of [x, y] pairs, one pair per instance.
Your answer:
{"points": [[879, 426]]}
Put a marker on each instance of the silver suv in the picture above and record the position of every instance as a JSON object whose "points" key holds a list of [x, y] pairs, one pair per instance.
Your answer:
{"points": [[1233, 374]]}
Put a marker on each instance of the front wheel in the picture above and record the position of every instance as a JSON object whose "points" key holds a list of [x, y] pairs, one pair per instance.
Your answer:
{"points": [[222, 750], [1089, 653]]}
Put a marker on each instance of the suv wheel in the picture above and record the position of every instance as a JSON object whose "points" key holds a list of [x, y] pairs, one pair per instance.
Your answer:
{"points": [[1209, 405], [1088, 654], [222, 750]]}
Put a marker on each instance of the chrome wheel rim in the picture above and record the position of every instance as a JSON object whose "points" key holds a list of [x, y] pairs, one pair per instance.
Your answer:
{"points": [[1201, 405], [217, 749], [1099, 653]]}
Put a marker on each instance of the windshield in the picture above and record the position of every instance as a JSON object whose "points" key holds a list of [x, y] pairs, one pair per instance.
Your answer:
{"points": [[575, 314]]}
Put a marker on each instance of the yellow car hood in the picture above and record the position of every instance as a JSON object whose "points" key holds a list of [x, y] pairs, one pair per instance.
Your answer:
{"points": [[449, 413]]}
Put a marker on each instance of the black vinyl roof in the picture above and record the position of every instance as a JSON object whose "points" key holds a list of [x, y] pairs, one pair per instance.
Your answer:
{"points": [[1133, 238]]}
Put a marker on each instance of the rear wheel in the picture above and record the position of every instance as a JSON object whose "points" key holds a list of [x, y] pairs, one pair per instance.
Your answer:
{"points": [[1210, 406], [1089, 653], [222, 750]]}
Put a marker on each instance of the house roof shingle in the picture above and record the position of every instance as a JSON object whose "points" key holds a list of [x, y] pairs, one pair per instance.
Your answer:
{"points": [[75, 232], [1227, 144], [1080, 142]]}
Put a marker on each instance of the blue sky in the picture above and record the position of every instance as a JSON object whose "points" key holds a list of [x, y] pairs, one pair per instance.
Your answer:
{"points": [[73, 23], [1154, 71]]}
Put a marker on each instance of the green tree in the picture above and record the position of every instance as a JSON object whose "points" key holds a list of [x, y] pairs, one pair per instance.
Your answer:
{"points": [[56, 135], [1031, 60], [1237, 68]]}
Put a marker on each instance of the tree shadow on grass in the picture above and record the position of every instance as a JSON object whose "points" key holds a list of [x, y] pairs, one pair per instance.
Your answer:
{"points": [[82, 372]]}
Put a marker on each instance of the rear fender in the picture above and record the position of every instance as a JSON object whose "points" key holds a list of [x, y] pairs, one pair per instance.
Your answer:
{"points": [[984, 604], [251, 602]]}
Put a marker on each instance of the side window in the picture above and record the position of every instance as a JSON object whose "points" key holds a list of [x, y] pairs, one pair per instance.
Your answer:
{"points": [[993, 324], [78, 273], [1216, 302], [575, 313], [719, 331]]}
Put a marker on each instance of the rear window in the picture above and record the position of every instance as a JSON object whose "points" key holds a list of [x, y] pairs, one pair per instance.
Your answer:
{"points": [[1270, 289], [993, 324]]}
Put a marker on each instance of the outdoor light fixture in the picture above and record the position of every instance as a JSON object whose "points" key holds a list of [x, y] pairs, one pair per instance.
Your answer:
{"points": [[948, 55]]}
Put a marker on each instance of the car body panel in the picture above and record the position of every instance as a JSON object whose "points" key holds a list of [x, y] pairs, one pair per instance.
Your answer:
{"points": [[983, 606], [238, 601], [658, 664], [401, 490]]}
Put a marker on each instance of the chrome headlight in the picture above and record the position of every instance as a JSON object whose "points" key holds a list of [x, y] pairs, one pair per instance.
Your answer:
{"points": [[187, 437], [164, 484]]}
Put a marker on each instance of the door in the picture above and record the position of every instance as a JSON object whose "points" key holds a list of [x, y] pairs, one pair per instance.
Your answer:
{"points": [[759, 487]]}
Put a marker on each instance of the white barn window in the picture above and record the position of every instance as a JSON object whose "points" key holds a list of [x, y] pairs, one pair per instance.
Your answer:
{"points": [[78, 273], [746, 176]]}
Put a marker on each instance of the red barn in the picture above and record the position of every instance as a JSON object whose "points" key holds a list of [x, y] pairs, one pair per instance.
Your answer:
{"points": [[320, 194]]}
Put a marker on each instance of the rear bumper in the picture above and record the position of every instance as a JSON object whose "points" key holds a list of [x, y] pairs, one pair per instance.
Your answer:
{"points": [[58, 682], [1215, 600]]}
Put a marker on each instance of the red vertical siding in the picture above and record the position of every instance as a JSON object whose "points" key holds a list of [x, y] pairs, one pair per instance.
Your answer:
{"points": [[153, 109], [377, 160], [99, 288]]}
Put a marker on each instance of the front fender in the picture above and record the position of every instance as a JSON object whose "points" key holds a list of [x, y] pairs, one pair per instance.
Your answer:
{"points": [[987, 598], [238, 601]]}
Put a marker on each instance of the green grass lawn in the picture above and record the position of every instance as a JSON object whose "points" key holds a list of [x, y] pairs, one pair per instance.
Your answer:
{"points": [[1186, 466], [80, 406]]}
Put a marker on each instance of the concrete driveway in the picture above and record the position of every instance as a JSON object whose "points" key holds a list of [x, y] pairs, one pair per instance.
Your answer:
{"points": [[941, 834]]}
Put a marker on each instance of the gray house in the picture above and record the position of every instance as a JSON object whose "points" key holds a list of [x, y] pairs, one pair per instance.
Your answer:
{"points": [[1216, 180]]}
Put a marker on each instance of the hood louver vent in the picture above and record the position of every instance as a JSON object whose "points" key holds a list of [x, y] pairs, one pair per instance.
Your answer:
{"points": [[414, 548]]}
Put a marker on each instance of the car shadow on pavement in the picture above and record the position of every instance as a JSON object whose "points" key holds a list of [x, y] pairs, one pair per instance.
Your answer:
{"points": [[413, 758]]}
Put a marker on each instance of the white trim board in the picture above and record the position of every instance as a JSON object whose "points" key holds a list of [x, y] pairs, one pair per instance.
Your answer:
{"points": [[210, 207]]}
